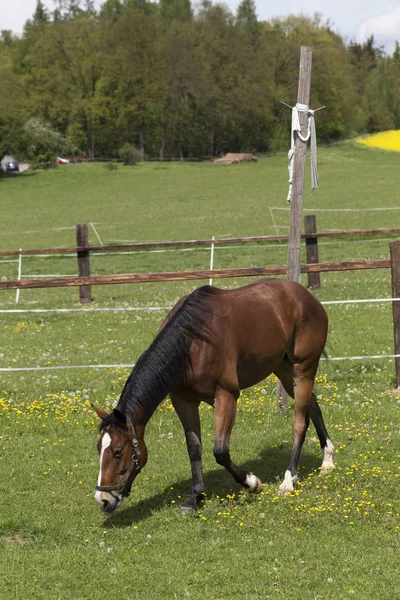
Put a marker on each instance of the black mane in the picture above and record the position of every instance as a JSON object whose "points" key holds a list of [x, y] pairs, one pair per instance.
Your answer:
{"points": [[163, 366]]}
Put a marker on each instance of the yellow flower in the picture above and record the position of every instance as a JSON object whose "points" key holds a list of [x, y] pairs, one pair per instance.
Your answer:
{"points": [[385, 140]]}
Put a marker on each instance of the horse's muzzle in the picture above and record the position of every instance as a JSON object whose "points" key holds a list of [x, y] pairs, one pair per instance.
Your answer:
{"points": [[109, 502]]}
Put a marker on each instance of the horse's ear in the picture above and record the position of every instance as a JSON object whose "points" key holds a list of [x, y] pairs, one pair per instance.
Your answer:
{"points": [[102, 414], [119, 416]]}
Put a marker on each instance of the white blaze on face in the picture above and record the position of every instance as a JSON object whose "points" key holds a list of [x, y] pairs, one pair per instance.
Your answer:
{"points": [[105, 443]]}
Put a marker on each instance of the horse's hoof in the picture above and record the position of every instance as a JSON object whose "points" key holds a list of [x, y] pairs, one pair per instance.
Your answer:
{"points": [[287, 485], [258, 488], [285, 490], [328, 468], [186, 510], [253, 484]]}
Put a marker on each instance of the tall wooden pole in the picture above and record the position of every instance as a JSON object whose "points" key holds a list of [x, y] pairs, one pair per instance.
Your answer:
{"points": [[296, 206]]}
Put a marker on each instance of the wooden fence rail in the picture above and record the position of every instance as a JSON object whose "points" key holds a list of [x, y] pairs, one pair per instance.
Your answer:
{"points": [[187, 275], [189, 243]]}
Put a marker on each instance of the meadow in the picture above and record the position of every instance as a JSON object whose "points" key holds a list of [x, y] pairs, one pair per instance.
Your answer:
{"points": [[337, 537]]}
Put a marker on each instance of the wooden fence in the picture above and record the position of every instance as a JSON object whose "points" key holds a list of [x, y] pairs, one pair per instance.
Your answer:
{"points": [[83, 251], [84, 280]]}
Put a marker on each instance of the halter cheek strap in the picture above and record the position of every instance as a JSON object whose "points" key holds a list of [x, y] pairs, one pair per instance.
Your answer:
{"points": [[133, 467]]}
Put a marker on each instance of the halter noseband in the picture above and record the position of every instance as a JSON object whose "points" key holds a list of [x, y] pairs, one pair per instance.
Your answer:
{"points": [[134, 465]]}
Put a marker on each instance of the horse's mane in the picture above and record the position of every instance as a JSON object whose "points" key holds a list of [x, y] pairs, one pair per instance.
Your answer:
{"points": [[164, 365]]}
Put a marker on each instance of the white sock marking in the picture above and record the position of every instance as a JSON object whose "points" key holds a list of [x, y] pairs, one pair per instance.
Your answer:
{"points": [[288, 483], [327, 460], [251, 481]]}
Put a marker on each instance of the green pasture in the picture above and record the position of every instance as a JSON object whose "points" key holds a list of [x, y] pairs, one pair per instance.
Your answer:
{"points": [[337, 537]]}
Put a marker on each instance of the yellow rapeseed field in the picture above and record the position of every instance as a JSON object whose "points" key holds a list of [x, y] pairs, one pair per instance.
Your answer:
{"points": [[385, 140]]}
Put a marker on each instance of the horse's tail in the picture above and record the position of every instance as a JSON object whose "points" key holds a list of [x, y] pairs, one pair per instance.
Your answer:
{"points": [[325, 353]]}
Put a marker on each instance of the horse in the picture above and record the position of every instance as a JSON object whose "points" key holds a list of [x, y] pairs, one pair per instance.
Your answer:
{"points": [[211, 345]]}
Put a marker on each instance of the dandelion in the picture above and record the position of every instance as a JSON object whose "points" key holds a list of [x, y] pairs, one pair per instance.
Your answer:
{"points": [[113, 571], [109, 550], [262, 515]]}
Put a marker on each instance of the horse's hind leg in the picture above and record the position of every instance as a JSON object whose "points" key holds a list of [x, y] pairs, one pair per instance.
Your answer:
{"points": [[302, 398], [188, 413], [326, 444], [306, 406], [225, 412]]}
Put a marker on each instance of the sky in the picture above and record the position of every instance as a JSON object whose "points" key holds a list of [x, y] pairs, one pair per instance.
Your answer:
{"points": [[352, 19]]}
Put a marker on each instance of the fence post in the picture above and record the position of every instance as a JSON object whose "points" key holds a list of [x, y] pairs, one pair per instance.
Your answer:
{"points": [[395, 268], [310, 226], [296, 207], [82, 239]]}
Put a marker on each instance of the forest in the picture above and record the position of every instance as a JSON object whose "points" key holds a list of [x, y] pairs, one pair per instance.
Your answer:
{"points": [[174, 81]]}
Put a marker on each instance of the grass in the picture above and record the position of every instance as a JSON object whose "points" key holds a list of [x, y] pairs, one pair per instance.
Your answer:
{"points": [[336, 538]]}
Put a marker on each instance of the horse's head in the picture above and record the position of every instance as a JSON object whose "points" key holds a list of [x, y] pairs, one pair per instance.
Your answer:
{"points": [[121, 458]]}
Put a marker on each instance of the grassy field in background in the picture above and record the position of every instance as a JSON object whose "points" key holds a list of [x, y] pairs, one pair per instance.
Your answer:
{"points": [[337, 537]]}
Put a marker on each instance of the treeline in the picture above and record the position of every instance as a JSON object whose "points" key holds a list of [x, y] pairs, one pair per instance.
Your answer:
{"points": [[177, 83]]}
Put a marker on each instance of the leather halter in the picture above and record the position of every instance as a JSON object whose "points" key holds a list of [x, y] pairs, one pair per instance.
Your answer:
{"points": [[134, 466]]}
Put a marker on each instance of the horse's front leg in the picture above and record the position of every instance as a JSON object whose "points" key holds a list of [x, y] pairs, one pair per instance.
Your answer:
{"points": [[225, 412], [188, 413]]}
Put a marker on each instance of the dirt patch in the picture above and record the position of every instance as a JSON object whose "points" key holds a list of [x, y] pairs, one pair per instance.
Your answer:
{"points": [[15, 540], [392, 393], [231, 158]]}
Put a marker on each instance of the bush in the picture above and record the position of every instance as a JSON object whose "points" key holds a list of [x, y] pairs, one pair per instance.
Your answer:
{"points": [[44, 144], [130, 155], [111, 166]]}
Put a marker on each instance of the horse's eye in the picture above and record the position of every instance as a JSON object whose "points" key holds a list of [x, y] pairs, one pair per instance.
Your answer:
{"points": [[118, 453]]}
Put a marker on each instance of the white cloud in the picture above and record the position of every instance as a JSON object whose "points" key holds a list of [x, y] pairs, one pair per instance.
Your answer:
{"points": [[385, 28]]}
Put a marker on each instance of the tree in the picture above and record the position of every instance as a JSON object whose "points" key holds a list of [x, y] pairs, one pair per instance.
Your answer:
{"points": [[246, 16], [41, 14], [180, 10]]}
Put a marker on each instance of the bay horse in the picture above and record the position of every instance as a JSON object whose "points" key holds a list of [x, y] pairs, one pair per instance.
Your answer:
{"points": [[211, 345]]}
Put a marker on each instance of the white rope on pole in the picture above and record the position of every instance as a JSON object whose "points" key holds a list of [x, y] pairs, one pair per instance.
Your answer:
{"points": [[311, 135], [19, 276], [212, 259]]}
